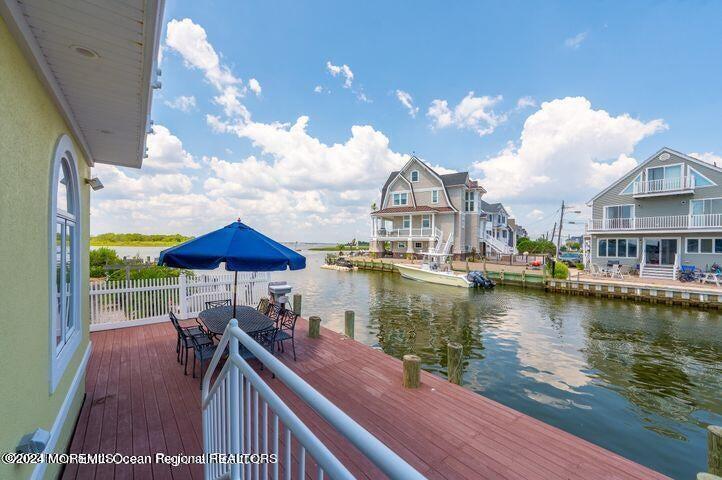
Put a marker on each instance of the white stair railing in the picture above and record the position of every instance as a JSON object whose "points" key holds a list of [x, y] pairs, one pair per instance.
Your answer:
{"points": [[497, 244], [642, 262], [675, 272], [243, 415]]}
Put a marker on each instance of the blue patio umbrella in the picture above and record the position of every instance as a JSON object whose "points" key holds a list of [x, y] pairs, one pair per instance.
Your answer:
{"points": [[240, 247]]}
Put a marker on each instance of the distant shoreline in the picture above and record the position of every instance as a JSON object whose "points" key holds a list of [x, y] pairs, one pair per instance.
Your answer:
{"points": [[133, 244], [335, 248]]}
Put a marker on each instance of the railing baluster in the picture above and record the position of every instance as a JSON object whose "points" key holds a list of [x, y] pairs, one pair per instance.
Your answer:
{"points": [[248, 425], [319, 473], [301, 461], [287, 450], [275, 446], [264, 438], [255, 431]]}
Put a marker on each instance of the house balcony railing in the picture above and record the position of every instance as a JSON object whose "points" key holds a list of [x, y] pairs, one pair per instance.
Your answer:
{"points": [[663, 185], [404, 233], [668, 222]]}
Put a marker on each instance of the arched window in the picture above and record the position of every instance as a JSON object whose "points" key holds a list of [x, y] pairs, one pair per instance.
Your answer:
{"points": [[65, 260]]}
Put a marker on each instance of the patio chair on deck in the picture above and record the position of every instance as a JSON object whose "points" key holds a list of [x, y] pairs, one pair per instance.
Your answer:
{"points": [[595, 270], [274, 311], [187, 338], [286, 330], [204, 353], [218, 303]]}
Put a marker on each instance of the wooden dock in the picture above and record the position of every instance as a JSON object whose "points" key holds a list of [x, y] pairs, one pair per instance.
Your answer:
{"points": [[138, 401]]}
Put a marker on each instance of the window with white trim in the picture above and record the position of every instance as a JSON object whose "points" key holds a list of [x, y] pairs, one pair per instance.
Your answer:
{"points": [[469, 201], [617, 247], [630, 188], [418, 245], [401, 199], [407, 221], [426, 221], [65, 260], [704, 245], [706, 206], [401, 245], [414, 175], [699, 179], [434, 196]]}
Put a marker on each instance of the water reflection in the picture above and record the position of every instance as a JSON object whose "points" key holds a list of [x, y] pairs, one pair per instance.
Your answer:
{"points": [[639, 379]]}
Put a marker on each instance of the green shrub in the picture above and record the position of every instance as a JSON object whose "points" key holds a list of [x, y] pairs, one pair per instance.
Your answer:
{"points": [[154, 271], [97, 271], [579, 266], [102, 256], [561, 270]]}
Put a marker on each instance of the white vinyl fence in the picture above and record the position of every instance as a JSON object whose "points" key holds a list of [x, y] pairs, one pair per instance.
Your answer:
{"points": [[140, 302]]}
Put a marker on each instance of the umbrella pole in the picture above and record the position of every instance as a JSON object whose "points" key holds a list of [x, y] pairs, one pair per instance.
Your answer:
{"points": [[235, 288]]}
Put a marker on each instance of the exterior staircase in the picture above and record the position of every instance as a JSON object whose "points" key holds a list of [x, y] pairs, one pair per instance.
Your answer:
{"points": [[497, 245], [667, 272]]}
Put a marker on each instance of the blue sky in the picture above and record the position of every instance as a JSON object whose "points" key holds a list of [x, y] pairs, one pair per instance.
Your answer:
{"points": [[604, 85]]}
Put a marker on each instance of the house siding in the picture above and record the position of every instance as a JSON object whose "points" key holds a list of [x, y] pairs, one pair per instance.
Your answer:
{"points": [[31, 127]]}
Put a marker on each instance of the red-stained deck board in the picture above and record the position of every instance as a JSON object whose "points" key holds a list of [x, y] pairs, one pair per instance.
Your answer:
{"points": [[138, 401]]}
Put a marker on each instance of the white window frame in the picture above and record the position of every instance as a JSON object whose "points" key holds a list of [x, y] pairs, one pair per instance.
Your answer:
{"points": [[691, 169], [411, 176], [418, 245], [60, 358], [426, 221], [665, 167], [405, 219], [702, 200], [616, 240], [630, 185], [398, 196], [400, 245], [434, 196], [469, 200], [699, 245]]}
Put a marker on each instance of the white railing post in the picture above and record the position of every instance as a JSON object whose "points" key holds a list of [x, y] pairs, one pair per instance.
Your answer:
{"points": [[182, 296], [234, 407]]}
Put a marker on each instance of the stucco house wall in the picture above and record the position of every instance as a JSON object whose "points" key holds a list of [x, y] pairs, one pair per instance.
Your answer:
{"points": [[30, 128]]}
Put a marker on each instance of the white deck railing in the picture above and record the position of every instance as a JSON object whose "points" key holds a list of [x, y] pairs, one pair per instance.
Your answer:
{"points": [[405, 233], [663, 185], [243, 415], [119, 304], [667, 222]]}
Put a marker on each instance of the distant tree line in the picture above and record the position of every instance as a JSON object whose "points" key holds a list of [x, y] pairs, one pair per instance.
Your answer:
{"points": [[137, 239], [536, 247]]}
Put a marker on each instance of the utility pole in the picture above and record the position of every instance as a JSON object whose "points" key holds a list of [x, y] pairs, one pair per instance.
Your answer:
{"points": [[554, 231], [561, 222]]}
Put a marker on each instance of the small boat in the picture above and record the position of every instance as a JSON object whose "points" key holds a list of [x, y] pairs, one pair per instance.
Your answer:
{"points": [[340, 268], [432, 271]]}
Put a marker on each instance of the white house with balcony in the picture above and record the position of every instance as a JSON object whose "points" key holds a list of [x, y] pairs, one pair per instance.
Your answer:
{"points": [[665, 213], [423, 211]]}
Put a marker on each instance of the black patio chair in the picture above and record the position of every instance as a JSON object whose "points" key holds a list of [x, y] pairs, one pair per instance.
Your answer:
{"points": [[218, 303], [274, 312], [185, 341], [287, 329], [204, 353]]}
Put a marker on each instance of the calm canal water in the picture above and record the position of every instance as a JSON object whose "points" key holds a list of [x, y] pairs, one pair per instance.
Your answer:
{"points": [[641, 380]]}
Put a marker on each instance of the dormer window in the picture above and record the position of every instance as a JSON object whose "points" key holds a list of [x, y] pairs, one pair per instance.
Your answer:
{"points": [[400, 199], [414, 175], [434, 196]]}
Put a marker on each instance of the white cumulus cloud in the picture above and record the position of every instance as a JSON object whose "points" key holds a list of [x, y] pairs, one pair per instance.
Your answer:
{"points": [[184, 103], [254, 86], [408, 102], [344, 70], [566, 149], [165, 152], [576, 41], [708, 157], [472, 113]]}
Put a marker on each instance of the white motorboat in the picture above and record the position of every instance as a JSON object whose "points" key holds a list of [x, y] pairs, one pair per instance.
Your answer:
{"points": [[434, 270]]}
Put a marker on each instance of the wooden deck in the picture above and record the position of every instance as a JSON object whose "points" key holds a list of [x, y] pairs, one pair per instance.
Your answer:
{"points": [[139, 402]]}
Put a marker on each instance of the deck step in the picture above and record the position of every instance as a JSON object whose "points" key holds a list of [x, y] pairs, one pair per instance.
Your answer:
{"points": [[658, 271]]}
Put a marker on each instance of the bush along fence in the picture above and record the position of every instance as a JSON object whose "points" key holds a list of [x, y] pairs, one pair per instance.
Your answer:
{"points": [[127, 303]]}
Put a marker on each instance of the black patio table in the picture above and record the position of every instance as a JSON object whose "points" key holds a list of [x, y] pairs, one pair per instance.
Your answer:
{"points": [[249, 319]]}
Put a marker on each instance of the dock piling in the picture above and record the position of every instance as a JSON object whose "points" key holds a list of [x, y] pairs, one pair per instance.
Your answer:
{"points": [[314, 327], [297, 303], [454, 362], [412, 371], [349, 319], [714, 449]]}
